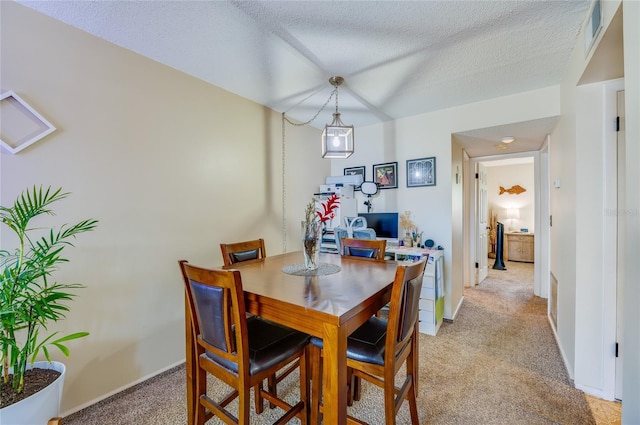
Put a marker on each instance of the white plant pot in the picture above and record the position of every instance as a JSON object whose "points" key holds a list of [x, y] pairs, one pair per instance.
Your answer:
{"points": [[38, 408]]}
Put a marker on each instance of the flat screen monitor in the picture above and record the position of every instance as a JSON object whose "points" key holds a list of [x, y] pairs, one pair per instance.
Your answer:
{"points": [[385, 224]]}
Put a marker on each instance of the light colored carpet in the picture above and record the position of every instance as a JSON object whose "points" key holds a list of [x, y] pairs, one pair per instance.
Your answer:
{"points": [[498, 363]]}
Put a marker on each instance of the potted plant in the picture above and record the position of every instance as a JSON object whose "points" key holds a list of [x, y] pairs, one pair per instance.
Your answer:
{"points": [[30, 299]]}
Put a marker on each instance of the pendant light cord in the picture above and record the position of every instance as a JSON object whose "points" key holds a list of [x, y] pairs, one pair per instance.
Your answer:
{"points": [[298, 124], [284, 192], [284, 158]]}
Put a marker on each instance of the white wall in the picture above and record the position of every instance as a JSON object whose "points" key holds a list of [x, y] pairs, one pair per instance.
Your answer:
{"points": [[170, 166], [428, 135], [507, 176], [631, 346], [596, 285], [580, 254]]}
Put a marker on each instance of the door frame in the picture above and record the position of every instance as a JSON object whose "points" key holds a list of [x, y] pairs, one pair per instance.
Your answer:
{"points": [[541, 279], [481, 216]]}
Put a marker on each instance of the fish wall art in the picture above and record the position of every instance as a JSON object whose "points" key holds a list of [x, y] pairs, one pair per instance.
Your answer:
{"points": [[513, 190]]}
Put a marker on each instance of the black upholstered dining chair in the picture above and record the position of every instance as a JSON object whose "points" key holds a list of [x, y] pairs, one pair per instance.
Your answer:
{"points": [[366, 249], [242, 251], [377, 350], [253, 250], [241, 351], [373, 249]]}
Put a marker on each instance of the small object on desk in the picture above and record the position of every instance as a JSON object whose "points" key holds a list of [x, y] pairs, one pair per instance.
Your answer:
{"points": [[524, 230], [429, 243]]}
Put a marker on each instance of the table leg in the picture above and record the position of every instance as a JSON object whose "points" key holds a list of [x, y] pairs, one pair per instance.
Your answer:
{"points": [[334, 375], [190, 366]]}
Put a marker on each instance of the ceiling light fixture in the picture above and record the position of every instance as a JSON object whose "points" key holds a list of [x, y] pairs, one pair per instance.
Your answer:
{"points": [[337, 142], [337, 138], [508, 139]]}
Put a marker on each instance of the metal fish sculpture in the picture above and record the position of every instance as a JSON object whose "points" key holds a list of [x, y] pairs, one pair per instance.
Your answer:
{"points": [[513, 190]]}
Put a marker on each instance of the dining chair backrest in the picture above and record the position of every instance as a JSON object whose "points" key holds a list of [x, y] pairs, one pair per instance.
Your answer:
{"points": [[216, 305], [242, 251], [403, 309], [364, 248]]}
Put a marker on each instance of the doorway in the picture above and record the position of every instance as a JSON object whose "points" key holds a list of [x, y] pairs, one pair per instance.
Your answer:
{"points": [[529, 211]]}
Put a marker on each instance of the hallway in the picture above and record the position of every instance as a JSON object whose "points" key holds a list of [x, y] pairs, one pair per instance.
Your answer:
{"points": [[604, 412]]}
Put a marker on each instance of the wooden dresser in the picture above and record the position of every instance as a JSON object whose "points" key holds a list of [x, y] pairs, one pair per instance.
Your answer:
{"points": [[519, 247]]}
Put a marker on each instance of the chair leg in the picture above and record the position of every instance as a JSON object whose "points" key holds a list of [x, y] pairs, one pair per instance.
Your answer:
{"points": [[272, 387], [413, 405], [258, 398], [357, 388], [316, 384], [244, 413], [389, 397], [201, 389], [412, 370], [304, 384]]}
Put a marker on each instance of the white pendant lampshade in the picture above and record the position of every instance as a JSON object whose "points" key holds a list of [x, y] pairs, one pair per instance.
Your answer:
{"points": [[337, 138]]}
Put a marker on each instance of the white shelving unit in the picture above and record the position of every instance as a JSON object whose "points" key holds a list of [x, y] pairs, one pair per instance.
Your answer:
{"points": [[432, 293]]}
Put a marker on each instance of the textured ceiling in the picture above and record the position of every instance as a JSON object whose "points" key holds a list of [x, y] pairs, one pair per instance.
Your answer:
{"points": [[398, 58]]}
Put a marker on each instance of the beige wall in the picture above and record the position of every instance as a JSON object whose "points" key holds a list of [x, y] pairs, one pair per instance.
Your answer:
{"points": [[170, 166]]}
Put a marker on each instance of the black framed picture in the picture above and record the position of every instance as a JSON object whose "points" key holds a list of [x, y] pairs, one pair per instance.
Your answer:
{"points": [[421, 172], [356, 171], [386, 175]]}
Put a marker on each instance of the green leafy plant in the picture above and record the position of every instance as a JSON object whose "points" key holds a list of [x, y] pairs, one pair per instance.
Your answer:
{"points": [[30, 299]]}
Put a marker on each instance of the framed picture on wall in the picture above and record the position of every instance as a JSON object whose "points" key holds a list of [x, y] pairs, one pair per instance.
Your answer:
{"points": [[356, 171], [421, 172], [386, 175]]}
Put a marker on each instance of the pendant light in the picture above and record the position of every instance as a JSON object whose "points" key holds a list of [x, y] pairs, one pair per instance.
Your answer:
{"points": [[337, 138]]}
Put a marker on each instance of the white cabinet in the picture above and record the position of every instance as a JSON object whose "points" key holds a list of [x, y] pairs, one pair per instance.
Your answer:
{"points": [[432, 293]]}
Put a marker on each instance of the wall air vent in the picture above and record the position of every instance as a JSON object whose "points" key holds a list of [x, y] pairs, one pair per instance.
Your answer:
{"points": [[592, 27]]}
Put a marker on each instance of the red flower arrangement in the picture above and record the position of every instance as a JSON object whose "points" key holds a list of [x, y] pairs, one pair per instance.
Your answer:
{"points": [[326, 213], [328, 208]]}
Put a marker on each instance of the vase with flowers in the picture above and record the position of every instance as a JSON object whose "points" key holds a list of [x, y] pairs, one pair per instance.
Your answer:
{"points": [[410, 229], [312, 228]]}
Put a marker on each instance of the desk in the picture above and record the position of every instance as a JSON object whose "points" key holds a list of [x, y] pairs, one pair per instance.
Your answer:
{"points": [[330, 307]]}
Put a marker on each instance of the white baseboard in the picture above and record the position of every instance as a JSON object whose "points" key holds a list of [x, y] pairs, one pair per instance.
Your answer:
{"points": [[455, 312], [564, 357], [118, 390], [596, 392]]}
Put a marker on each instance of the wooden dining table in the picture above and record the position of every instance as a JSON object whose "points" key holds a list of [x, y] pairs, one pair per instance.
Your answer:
{"points": [[329, 306]]}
